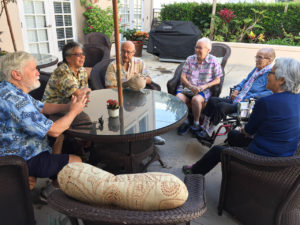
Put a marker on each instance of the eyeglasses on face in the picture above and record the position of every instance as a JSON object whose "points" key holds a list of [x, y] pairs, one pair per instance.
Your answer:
{"points": [[259, 57], [271, 73], [199, 48], [79, 54], [127, 52]]}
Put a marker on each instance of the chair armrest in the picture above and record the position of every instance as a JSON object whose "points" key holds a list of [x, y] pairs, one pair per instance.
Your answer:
{"points": [[259, 160], [173, 83]]}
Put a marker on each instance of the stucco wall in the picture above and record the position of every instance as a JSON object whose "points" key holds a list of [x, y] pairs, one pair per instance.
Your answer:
{"points": [[243, 53], [7, 43]]}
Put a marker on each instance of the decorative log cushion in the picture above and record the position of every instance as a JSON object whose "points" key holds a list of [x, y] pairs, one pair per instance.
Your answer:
{"points": [[141, 191]]}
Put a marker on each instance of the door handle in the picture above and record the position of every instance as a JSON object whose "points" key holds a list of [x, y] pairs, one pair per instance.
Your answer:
{"points": [[48, 26]]}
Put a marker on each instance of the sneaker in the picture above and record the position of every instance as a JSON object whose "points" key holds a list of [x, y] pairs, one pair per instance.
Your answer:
{"points": [[203, 137], [158, 140], [187, 169], [46, 192], [183, 129], [195, 129]]}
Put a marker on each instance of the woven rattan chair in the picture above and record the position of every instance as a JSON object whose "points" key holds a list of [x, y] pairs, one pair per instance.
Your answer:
{"points": [[194, 207], [218, 50], [260, 190], [98, 38], [15, 202]]}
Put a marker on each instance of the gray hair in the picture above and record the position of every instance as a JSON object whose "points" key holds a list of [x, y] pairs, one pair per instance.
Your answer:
{"points": [[67, 49], [289, 69], [206, 41], [13, 61]]}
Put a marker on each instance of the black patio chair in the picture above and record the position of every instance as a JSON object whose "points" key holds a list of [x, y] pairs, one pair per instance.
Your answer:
{"points": [[15, 202], [260, 190], [95, 53], [193, 208], [218, 50], [39, 92], [99, 39]]}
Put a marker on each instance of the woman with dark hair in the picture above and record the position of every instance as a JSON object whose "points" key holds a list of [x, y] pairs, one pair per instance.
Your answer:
{"points": [[273, 128], [70, 78]]}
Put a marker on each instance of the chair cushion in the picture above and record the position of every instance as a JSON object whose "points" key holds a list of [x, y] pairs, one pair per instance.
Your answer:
{"points": [[141, 191]]}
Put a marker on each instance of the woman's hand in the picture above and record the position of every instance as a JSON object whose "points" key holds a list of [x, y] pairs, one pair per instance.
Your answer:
{"points": [[234, 94]]}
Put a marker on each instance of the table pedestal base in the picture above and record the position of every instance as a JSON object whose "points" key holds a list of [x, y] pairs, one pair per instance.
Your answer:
{"points": [[125, 157]]}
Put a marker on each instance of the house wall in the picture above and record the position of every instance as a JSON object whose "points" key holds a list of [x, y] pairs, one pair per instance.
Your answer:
{"points": [[7, 43]]}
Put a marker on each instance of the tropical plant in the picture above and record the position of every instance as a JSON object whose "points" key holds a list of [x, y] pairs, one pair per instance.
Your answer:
{"points": [[97, 19]]}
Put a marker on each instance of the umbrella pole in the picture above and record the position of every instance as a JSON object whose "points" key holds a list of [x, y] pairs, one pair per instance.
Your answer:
{"points": [[117, 46], [9, 25]]}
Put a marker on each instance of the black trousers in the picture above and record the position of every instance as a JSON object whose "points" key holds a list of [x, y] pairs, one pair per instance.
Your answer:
{"points": [[217, 109], [213, 156]]}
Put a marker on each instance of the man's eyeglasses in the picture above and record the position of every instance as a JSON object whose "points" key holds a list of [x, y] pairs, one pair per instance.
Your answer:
{"points": [[79, 54], [127, 52], [271, 73], [258, 57]]}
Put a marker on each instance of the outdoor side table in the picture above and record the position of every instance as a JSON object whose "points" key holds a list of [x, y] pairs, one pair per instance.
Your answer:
{"points": [[194, 207]]}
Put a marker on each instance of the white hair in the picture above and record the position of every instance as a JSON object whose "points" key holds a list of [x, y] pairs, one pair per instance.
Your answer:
{"points": [[289, 69], [206, 41], [13, 61]]}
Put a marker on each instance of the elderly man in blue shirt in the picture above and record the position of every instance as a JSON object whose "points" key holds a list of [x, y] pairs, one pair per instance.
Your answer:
{"points": [[23, 125], [254, 86]]}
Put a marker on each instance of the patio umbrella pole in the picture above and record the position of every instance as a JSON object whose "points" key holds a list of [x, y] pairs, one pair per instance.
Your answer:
{"points": [[9, 25], [117, 46]]}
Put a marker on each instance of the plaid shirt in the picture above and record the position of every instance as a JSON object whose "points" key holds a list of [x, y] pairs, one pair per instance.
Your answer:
{"points": [[63, 83], [136, 67], [200, 74]]}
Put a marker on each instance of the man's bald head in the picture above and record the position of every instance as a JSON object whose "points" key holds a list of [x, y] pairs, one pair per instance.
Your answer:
{"points": [[127, 51], [269, 52]]}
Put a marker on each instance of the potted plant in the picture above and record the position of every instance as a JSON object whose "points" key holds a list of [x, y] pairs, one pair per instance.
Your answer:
{"points": [[112, 107], [138, 38]]}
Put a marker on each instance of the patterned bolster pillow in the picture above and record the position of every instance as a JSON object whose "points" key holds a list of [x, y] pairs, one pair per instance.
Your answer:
{"points": [[141, 191]]}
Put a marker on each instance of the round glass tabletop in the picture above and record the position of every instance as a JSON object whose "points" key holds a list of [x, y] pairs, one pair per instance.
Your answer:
{"points": [[143, 112]]}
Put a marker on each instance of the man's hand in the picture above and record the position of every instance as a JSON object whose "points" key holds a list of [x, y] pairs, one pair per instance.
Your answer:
{"points": [[234, 94], [77, 104], [194, 89]]}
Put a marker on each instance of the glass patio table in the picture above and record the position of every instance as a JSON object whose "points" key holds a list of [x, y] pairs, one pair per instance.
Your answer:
{"points": [[44, 60], [127, 140]]}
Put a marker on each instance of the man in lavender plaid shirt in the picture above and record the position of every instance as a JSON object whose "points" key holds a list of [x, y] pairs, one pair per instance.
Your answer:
{"points": [[200, 72]]}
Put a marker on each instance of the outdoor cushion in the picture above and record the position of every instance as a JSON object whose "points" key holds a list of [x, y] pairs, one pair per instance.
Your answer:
{"points": [[141, 191]]}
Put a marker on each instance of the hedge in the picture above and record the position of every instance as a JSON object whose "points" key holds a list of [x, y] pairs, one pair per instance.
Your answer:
{"points": [[275, 17]]}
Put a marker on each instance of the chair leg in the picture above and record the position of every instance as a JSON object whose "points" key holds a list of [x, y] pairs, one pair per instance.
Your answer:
{"points": [[73, 221]]}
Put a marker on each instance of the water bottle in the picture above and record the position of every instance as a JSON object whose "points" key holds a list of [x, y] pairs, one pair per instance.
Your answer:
{"points": [[251, 105]]}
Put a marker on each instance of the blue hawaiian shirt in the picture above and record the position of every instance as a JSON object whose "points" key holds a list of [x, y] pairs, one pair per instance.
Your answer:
{"points": [[23, 128]]}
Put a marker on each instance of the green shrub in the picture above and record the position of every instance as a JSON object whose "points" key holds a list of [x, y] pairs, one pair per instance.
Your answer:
{"points": [[97, 19], [270, 26]]}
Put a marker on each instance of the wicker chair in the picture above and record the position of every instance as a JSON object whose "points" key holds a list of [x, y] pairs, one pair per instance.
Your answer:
{"points": [[95, 53], [98, 38], [15, 202], [218, 50], [194, 207], [39, 92], [260, 190], [97, 79]]}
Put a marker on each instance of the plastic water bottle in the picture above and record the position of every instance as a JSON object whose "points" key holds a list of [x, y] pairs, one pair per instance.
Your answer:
{"points": [[251, 105]]}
